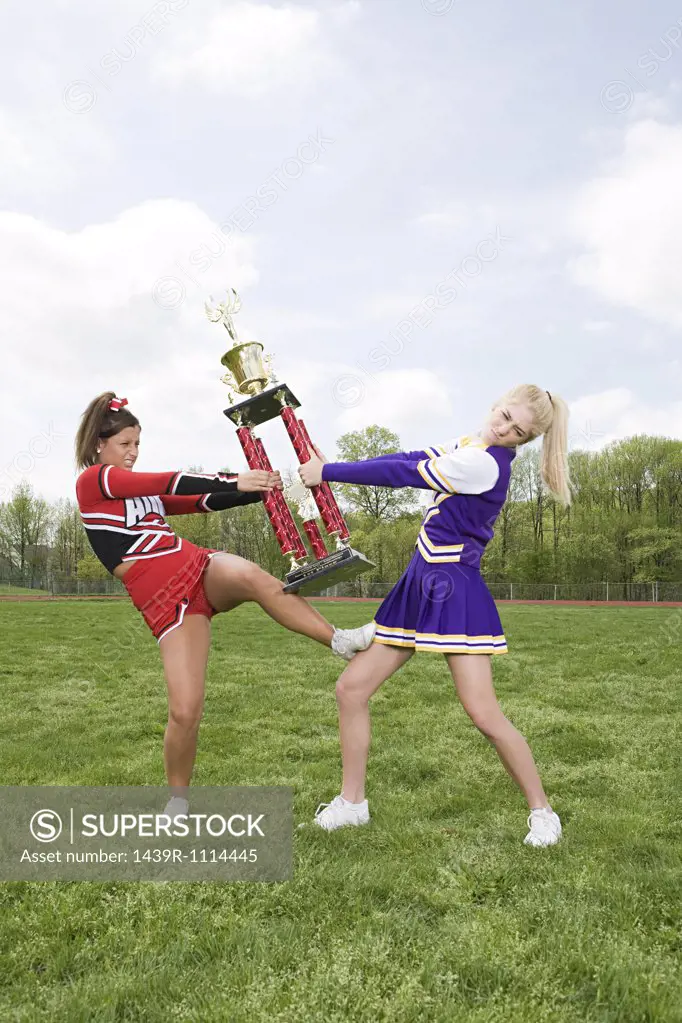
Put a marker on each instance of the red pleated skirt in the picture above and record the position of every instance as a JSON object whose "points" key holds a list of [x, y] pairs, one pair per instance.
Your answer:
{"points": [[167, 587]]}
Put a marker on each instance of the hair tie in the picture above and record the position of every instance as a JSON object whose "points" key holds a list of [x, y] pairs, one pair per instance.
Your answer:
{"points": [[549, 396], [116, 404]]}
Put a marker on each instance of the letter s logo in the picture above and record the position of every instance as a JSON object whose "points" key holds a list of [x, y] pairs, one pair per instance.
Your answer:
{"points": [[46, 825]]}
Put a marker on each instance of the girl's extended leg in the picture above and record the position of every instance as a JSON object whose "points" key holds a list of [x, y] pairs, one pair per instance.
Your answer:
{"points": [[184, 653], [356, 685], [361, 679], [229, 580], [472, 675]]}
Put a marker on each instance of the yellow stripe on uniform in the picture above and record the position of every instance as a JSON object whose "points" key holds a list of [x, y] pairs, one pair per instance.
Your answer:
{"points": [[491, 650], [388, 628], [422, 472], [436, 559], [455, 548], [446, 483]]}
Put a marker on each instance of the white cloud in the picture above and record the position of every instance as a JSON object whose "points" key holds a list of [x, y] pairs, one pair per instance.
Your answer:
{"points": [[346, 397], [599, 419], [250, 49], [399, 399], [104, 266], [629, 220], [650, 106], [79, 317]]}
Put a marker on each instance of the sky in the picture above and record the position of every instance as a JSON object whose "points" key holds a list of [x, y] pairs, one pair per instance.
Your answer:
{"points": [[420, 202]]}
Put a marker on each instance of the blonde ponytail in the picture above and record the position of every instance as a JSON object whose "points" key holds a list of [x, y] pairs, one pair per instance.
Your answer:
{"points": [[554, 459], [550, 420]]}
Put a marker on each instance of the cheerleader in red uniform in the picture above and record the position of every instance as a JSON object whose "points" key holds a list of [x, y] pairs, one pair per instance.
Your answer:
{"points": [[177, 586]]}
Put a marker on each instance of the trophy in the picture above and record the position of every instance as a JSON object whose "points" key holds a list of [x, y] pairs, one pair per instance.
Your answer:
{"points": [[256, 397]]}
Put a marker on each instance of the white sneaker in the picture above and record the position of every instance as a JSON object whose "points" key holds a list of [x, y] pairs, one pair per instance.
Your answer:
{"points": [[176, 807], [340, 813], [348, 642], [545, 827]]}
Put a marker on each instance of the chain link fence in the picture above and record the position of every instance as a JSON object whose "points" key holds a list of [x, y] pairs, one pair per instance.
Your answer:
{"points": [[654, 592], [58, 585]]}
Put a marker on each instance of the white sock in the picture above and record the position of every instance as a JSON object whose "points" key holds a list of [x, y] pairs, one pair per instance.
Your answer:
{"points": [[353, 806]]}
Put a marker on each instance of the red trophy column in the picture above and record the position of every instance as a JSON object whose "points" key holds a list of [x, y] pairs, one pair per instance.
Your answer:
{"points": [[287, 517], [315, 536], [343, 530], [324, 499], [288, 536]]}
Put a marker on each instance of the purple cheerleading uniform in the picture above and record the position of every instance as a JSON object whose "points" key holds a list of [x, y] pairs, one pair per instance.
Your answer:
{"points": [[441, 603]]}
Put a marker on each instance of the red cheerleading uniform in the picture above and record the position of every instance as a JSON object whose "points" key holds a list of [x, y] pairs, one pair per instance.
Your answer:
{"points": [[124, 514]]}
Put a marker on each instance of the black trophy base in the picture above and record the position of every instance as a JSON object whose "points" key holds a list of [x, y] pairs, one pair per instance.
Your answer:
{"points": [[337, 567], [262, 407]]}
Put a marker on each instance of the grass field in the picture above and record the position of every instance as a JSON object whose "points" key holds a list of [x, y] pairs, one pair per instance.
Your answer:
{"points": [[7, 590], [434, 912]]}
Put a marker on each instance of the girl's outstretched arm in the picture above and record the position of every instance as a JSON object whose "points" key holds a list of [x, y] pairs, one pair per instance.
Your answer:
{"points": [[469, 470], [108, 481], [189, 505]]}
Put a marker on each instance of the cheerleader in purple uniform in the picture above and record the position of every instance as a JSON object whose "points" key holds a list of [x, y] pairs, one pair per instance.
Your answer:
{"points": [[441, 603]]}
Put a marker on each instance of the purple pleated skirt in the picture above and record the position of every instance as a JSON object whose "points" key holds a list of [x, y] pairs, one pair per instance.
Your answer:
{"points": [[443, 608]]}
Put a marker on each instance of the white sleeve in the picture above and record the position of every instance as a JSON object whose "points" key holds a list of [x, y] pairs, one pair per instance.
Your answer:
{"points": [[467, 470], [449, 446]]}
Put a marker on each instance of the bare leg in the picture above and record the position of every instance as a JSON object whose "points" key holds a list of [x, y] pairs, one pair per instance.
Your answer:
{"points": [[184, 653], [361, 679], [472, 675], [230, 580]]}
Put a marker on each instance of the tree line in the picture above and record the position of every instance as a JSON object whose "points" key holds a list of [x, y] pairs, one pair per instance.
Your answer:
{"points": [[624, 525]]}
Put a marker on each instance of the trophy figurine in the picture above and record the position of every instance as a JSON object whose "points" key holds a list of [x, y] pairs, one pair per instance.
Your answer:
{"points": [[256, 397]]}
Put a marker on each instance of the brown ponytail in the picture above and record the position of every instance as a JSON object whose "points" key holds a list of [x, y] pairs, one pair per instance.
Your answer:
{"points": [[99, 422]]}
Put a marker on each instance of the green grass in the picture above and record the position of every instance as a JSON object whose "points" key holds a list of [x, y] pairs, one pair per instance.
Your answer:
{"points": [[8, 590], [434, 912]]}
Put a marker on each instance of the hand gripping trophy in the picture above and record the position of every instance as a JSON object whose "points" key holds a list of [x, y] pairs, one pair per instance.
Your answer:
{"points": [[251, 375]]}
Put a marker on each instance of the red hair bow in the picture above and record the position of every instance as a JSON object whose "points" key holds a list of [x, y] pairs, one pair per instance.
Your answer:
{"points": [[116, 404]]}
